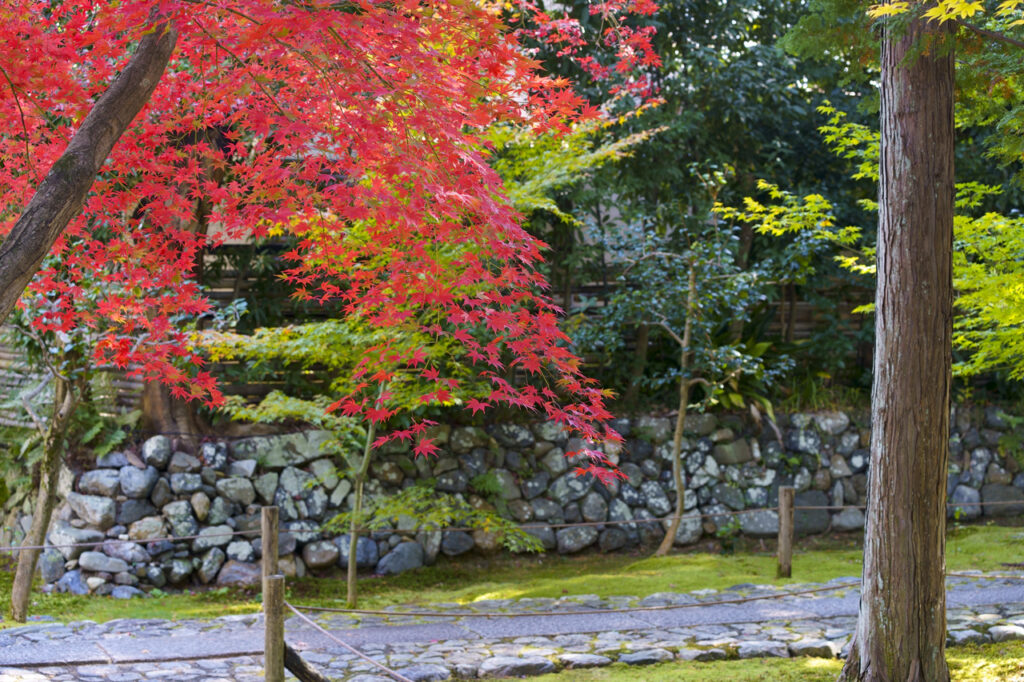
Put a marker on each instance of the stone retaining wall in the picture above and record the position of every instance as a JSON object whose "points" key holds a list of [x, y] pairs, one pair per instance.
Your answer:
{"points": [[132, 498]]}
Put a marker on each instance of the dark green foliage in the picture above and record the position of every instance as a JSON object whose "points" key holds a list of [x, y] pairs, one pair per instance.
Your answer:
{"points": [[731, 370], [254, 272], [735, 102]]}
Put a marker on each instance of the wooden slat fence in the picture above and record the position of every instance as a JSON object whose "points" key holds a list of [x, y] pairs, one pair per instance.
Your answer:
{"points": [[230, 283], [15, 377]]}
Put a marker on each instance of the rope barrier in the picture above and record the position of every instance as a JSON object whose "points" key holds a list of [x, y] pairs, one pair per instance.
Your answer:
{"points": [[587, 612], [672, 517], [985, 576], [591, 612], [97, 543], [297, 611], [689, 515], [396, 675], [526, 526]]}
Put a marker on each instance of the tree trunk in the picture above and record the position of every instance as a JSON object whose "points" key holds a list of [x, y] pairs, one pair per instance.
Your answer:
{"points": [[746, 239], [62, 192], [684, 400], [164, 414], [46, 498], [901, 630], [352, 597], [791, 315], [636, 373]]}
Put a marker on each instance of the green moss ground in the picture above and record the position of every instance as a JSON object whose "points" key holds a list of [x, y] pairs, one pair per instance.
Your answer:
{"points": [[817, 560], [984, 547]]}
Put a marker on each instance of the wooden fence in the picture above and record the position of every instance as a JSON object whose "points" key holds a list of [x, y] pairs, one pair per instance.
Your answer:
{"points": [[15, 377], [795, 319]]}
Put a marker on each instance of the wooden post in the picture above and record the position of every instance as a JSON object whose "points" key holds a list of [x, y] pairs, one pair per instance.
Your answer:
{"points": [[268, 540], [273, 627], [786, 532]]}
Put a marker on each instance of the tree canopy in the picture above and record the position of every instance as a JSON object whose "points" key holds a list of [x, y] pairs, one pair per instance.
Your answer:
{"points": [[357, 127]]}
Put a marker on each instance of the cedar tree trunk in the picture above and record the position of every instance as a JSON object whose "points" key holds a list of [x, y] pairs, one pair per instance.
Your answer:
{"points": [[901, 630]]}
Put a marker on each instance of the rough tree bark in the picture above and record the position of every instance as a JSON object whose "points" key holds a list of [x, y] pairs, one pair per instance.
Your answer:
{"points": [[165, 414], [161, 411], [62, 192], [901, 630]]}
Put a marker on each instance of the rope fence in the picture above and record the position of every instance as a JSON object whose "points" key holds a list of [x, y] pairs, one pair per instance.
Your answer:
{"points": [[630, 609], [582, 612], [392, 673], [97, 543], [985, 576], [524, 526], [280, 656]]}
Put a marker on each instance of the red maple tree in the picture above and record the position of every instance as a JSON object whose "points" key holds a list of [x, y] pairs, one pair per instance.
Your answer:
{"points": [[353, 125]]}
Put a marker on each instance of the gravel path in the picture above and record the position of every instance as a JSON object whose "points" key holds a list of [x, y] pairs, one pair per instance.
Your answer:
{"points": [[468, 646]]}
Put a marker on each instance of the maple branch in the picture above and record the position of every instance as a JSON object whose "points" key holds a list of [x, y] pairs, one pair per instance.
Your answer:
{"points": [[238, 60], [364, 62], [256, 22], [990, 34], [21, 115], [45, 357], [62, 192]]}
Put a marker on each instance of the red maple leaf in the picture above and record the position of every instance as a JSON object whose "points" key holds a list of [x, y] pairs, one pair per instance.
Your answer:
{"points": [[425, 447], [476, 405], [308, 118]]}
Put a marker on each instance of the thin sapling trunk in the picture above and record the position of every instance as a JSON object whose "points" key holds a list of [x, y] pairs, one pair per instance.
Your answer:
{"points": [[357, 512], [684, 400], [46, 498]]}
